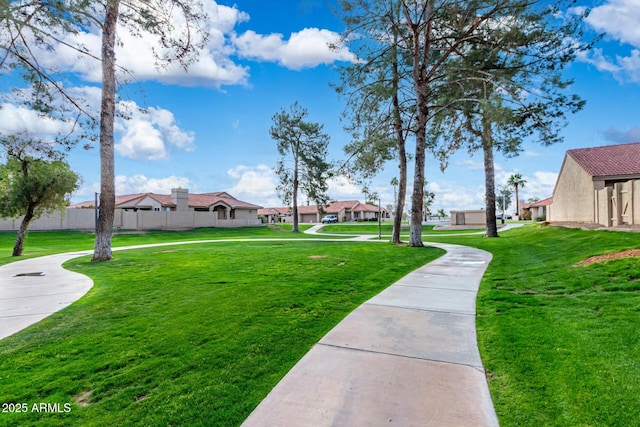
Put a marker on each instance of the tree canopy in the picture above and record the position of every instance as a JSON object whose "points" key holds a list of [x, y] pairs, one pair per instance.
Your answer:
{"points": [[477, 74], [303, 166], [31, 28], [32, 186]]}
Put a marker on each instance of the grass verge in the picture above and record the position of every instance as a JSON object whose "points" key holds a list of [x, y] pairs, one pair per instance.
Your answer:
{"points": [[560, 342], [191, 335], [387, 229], [39, 243]]}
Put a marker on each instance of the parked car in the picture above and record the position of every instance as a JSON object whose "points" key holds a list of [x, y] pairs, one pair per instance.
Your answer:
{"points": [[506, 216], [329, 219]]}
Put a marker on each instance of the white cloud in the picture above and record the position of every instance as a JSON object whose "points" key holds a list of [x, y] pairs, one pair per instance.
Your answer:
{"points": [[135, 53], [341, 188], [540, 185], [137, 184], [304, 49], [143, 184], [146, 133], [16, 119], [254, 184], [473, 165], [453, 196], [619, 20], [214, 66]]}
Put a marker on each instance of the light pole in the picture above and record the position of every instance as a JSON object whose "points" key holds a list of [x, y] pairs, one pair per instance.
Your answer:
{"points": [[96, 210], [379, 220]]}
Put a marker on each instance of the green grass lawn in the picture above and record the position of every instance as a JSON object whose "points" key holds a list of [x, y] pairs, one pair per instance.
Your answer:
{"points": [[560, 343], [386, 228], [191, 335], [199, 334], [40, 243]]}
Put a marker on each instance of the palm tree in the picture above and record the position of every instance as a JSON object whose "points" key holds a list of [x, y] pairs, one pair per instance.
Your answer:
{"points": [[516, 180], [394, 183]]}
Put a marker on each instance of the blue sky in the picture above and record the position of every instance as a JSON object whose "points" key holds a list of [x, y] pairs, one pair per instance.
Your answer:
{"points": [[208, 130]]}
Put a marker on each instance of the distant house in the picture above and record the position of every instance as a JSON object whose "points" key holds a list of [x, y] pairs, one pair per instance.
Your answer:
{"points": [[144, 211], [598, 185], [537, 209], [273, 215], [346, 210], [221, 203]]}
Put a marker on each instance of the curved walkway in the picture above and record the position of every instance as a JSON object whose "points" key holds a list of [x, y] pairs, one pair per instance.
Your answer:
{"points": [[408, 356]]}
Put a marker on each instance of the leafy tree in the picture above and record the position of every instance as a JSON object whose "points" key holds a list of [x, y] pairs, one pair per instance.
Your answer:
{"points": [[507, 85], [29, 26], [442, 213], [533, 199], [419, 39], [503, 200], [302, 167], [429, 198], [31, 186], [394, 184], [378, 116], [516, 180]]}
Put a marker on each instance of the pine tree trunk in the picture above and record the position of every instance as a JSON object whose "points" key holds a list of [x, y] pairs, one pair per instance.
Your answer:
{"points": [[104, 230], [402, 151], [417, 197], [402, 193], [22, 232], [489, 179], [294, 229]]}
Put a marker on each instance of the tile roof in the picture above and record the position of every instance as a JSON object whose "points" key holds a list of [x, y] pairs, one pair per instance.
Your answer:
{"points": [[203, 200], [274, 211], [336, 207], [609, 160], [332, 208], [365, 207], [543, 202]]}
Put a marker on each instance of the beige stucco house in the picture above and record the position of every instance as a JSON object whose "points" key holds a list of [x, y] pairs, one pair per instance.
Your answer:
{"points": [[539, 209], [598, 185], [346, 210], [154, 211]]}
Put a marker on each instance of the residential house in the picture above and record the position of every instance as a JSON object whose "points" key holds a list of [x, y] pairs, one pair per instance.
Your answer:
{"points": [[598, 185], [154, 211], [537, 210], [274, 215], [346, 210], [221, 203]]}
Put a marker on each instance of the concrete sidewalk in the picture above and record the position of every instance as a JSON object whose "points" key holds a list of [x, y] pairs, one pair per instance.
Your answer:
{"points": [[406, 357], [35, 288]]}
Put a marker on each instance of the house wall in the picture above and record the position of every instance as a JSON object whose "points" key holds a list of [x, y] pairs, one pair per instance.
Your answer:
{"points": [[149, 201], [308, 218], [636, 201], [603, 206], [246, 214], [574, 196], [473, 217], [84, 219]]}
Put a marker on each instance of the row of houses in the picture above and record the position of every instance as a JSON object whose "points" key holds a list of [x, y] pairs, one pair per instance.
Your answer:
{"points": [[181, 209], [348, 210], [597, 185]]}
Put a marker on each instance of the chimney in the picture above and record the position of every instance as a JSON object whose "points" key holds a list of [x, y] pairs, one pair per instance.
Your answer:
{"points": [[180, 196]]}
